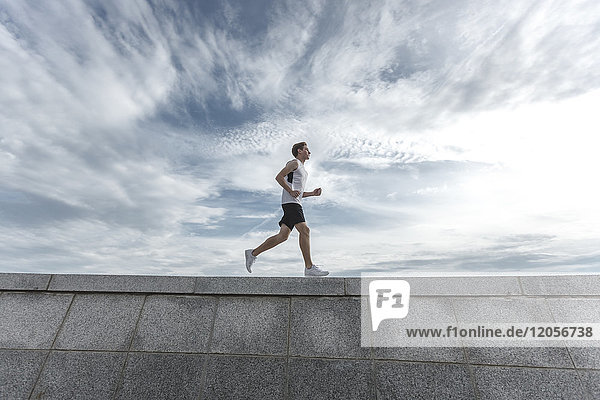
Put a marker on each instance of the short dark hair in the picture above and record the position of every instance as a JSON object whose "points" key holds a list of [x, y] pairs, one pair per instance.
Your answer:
{"points": [[296, 147]]}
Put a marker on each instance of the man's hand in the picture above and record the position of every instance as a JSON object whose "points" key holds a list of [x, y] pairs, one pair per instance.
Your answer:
{"points": [[316, 192], [294, 193]]}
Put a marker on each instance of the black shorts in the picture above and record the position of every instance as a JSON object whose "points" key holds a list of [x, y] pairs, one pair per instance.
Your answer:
{"points": [[292, 215]]}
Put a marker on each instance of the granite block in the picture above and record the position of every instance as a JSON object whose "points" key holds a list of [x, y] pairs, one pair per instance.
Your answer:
{"points": [[424, 313], [353, 286], [31, 320], [79, 375], [17, 281], [398, 380], [326, 327], [175, 324], [251, 325], [563, 285], [100, 322], [284, 286], [243, 377], [591, 382], [482, 310], [573, 310], [162, 376], [465, 286], [122, 283], [452, 285], [329, 379], [435, 354], [577, 311], [514, 383], [556, 357], [486, 312], [586, 357], [19, 370]]}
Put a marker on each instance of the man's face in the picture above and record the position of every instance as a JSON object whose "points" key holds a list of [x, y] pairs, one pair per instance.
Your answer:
{"points": [[304, 153]]}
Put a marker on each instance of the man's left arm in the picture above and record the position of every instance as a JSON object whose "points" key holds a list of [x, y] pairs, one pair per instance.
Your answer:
{"points": [[316, 192]]}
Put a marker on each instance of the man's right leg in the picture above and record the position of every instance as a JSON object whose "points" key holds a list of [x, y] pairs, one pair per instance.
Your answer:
{"points": [[282, 236]]}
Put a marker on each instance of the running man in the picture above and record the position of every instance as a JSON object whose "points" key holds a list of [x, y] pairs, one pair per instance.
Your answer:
{"points": [[292, 179]]}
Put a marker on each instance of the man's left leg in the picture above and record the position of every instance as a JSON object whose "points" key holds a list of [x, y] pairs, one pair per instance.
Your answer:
{"points": [[309, 268], [304, 232]]}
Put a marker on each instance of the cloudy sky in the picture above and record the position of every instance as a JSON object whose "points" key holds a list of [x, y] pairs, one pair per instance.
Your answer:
{"points": [[143, 137]]}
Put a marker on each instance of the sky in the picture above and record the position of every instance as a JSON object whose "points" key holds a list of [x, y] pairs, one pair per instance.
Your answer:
{"points": [[143, 137]]}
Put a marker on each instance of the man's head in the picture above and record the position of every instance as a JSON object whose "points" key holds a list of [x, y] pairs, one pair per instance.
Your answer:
{"points": [[300, 151]]}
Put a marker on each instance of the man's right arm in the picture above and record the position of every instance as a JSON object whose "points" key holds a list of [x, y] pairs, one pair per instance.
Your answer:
{"points": [[280, 178]]}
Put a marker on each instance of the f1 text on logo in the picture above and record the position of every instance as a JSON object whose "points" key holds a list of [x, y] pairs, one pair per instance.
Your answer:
{"points": [[389, 299]]}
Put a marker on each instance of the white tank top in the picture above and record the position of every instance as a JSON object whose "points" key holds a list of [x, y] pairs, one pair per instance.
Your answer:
{"points": [[296, 180]]}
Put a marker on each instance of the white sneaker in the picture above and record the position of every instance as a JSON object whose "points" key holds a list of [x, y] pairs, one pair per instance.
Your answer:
{"points": [[315, 271], [249, 259]]}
